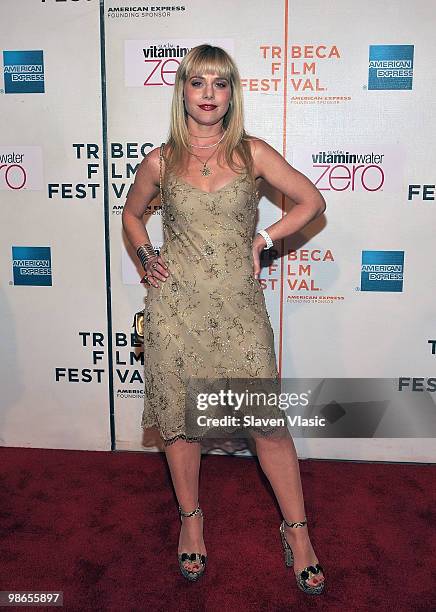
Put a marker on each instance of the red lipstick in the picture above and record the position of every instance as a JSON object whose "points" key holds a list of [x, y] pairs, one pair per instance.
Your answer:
{"points": [[207, 107]]}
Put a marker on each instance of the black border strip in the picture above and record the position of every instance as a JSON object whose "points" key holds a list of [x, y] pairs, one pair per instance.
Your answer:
{"points": [[106, 225]]}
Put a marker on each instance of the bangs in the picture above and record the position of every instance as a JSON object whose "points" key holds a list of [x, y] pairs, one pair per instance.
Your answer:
{"points": [[210, 60]]}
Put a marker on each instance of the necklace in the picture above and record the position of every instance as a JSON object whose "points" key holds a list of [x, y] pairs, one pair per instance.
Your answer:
{"points": [[208, 146], [206, 170]]}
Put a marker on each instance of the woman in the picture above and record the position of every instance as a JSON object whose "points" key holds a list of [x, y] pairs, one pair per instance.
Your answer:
{"points": [[205, 311]]}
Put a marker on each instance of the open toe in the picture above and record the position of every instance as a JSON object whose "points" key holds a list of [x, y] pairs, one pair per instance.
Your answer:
{"points": [[192, 564], [307, 573]]}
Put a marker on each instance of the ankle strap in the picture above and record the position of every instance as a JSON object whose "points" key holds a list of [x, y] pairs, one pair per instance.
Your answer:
{"points": [[197, 510], [297, 524]]}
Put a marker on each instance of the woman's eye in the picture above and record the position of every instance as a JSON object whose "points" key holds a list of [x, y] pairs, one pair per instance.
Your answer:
{"points": [[195, 83], [222, 84]]}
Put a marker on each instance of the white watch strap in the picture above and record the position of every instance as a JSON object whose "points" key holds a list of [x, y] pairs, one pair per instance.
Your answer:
{"points": [[269, 242]]}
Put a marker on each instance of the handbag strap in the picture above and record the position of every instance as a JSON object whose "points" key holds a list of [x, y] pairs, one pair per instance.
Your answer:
{"points": [[161, 155]]}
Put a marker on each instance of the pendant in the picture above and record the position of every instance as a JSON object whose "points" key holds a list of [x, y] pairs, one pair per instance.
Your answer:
{"points": [[206, 170]]}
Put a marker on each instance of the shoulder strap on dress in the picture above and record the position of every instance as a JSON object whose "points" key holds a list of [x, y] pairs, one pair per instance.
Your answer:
{"points": [[161, 155]]}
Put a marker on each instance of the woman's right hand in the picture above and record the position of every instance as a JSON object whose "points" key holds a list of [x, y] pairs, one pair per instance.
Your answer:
{"points": [[155, 270]]}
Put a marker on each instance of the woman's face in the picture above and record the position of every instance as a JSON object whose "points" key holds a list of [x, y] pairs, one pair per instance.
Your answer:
{"points": [[207, 98]]}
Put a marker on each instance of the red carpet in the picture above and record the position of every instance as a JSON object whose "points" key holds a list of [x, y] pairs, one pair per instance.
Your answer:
{"points": [[103, 527]]}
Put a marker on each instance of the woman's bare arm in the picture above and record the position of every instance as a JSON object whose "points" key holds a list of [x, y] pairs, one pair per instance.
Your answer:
{"points": [[144, 189], [309, 203]]}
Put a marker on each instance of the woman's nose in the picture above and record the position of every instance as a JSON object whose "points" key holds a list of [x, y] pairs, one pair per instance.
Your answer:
{"points": [[208, 92]]}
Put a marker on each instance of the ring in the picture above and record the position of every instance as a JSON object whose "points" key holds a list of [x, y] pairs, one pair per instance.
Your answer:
{"points": [[146, 281], [154, 266]]}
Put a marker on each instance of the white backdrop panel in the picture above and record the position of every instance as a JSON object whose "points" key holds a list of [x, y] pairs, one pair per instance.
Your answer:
{"points": [[40, 325]]}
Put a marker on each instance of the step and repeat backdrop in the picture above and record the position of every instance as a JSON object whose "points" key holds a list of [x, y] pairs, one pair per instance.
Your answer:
{"points": [[343, 91]]}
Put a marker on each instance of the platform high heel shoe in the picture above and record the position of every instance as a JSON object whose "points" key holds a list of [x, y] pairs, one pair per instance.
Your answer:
{"points": [[194, 557], [308, 572]]}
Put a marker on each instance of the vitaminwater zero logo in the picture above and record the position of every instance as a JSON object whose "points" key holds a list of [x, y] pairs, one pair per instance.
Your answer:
{"points": [[31, 265], [345, 171], [150, 63], [338, 170], [23, 71], [363, 169], [21, 167], [382, 271], [390, 67]]}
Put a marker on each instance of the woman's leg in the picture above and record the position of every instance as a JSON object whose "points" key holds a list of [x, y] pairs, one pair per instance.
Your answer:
{"points": [[279, 462], [184, 462]]}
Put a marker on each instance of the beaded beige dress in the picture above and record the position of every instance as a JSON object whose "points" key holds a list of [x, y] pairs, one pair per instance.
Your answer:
{"points": [[208, 320]]}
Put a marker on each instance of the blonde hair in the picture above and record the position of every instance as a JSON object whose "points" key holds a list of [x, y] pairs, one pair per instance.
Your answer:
{"points": [[206, 59]]}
